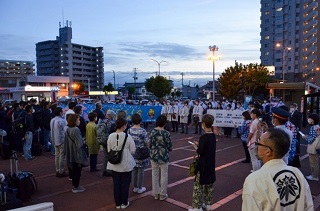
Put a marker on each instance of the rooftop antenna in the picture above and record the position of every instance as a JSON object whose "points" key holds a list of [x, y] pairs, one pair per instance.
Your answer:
{"points": [[62, 17], [70, 23]]}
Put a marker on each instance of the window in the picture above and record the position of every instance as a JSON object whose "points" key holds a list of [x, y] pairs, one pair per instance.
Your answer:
{"points": [[279, 9], [266, 38]]}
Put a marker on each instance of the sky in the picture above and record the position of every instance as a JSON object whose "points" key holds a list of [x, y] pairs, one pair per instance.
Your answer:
{"points": [[132, 32]]}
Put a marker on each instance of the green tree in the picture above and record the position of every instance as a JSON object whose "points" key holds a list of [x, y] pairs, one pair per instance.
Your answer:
{"points": [[251, 78], [173, 94], [158, 85], [131, 91], [108, 88], [178, 93]]}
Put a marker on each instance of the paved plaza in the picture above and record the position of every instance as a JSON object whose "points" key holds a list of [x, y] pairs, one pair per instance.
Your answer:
{"points": [[98, 196]]}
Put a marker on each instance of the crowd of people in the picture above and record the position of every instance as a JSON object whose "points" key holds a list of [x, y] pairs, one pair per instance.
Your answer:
{"points": [[269, 135]]}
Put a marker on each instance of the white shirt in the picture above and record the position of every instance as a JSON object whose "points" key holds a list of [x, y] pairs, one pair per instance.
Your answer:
{"points": [[276, 187], [127, 162]]}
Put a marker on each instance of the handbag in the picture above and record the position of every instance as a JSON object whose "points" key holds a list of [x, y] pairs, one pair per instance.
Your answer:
{"points": [[142, 153], [194, 166], [115, 156], [314, 146], [85, 149]]}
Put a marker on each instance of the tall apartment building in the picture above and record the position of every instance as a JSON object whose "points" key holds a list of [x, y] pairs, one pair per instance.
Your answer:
{"points": [[80, 63], [290, 39], [13, 73]]}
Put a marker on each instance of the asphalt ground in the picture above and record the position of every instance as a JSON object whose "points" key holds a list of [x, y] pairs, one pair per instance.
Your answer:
{"points": [[230, 173]]}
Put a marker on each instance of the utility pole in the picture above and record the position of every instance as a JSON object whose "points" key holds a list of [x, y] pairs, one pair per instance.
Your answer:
{"points": [[182, 74], [114, 79], [135, 79]]}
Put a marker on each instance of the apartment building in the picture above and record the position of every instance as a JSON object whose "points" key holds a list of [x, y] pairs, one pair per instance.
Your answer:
{"points": [[61, 57], [290, 39], [13, 73]]}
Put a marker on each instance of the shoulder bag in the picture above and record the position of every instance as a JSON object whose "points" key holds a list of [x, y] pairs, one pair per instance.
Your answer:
{"points": [[115, 156], [194, 166], [314, 146], [142, 153]]}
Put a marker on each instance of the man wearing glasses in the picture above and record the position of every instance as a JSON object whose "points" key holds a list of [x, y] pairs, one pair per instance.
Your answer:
{"points": [[276, 186]]}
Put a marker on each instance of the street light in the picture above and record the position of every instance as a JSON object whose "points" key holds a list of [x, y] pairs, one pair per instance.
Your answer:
{"points": [[213, 49], [284, 50], [159, 64]]}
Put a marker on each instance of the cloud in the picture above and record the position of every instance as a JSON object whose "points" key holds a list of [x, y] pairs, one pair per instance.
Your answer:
{"points": [[163, 50]]}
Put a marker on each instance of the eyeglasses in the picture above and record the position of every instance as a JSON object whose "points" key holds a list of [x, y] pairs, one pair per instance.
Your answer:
{"points": [[262, 145]]}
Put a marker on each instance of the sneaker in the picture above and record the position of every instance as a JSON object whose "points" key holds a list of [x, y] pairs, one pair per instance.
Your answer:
{"points": [[207, 207], [81, 187], [70, 179], [118, 207], [195, 209], [135, 190], [157, 196], [310, 177], [163, 197], [78, 189], [141, 190], [64, 174], [125, 206]]}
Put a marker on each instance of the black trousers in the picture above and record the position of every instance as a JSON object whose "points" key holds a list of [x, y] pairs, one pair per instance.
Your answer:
{"points": [[75, 174], [246, 151], [121, 184]]}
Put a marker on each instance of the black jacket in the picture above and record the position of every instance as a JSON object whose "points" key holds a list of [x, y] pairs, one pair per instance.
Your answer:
{"points": [[296, 119], [207, 161]]}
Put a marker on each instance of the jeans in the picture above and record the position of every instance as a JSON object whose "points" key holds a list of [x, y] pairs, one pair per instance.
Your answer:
{"points": [[121, 184], [75, 174], [184, 128], [27, 145], [198, 127], [174, 126], [46, 139], [60, 158], [137, 176], [159, 187]]}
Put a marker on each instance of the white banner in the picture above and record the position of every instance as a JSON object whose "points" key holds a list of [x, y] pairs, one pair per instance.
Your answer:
{"points": [[226, 118]]}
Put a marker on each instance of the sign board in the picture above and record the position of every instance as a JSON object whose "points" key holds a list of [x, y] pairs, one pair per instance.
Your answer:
{"points": [[226, 118]]}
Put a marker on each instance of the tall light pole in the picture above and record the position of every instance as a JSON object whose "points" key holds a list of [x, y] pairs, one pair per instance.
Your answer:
{"points": [[114, 79], [159, 64], [213, 49], [284, 54]]}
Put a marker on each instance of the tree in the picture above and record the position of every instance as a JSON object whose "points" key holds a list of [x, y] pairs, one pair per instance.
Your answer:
{"points": [[108, 88], [178, 93], [173, 94], [131, 91], [250, 78], [158, 85]]}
